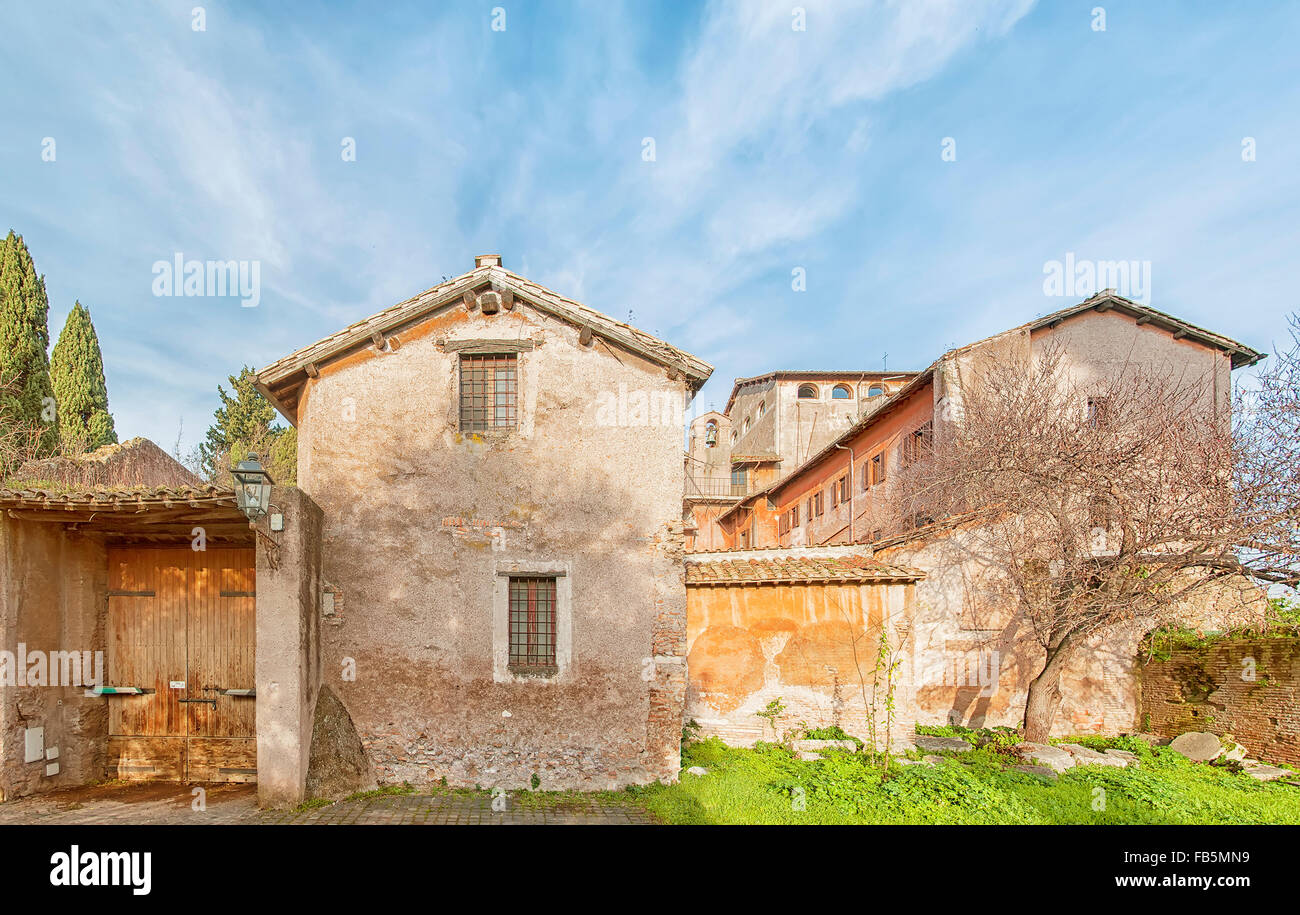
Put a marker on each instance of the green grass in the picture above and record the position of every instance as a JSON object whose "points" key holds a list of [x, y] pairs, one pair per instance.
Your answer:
{"points": [[385, 791], [762, 785]]}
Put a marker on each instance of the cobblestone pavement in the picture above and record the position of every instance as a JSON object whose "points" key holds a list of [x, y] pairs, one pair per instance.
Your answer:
{"points": [[225, 804]]}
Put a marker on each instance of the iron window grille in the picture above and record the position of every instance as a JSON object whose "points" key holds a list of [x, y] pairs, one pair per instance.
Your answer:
{"points": [[532, 625], [489, 392]]}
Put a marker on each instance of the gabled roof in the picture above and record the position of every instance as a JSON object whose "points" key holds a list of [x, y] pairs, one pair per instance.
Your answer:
{"points": [[1105, 300], [812, 375], [281, 380]]}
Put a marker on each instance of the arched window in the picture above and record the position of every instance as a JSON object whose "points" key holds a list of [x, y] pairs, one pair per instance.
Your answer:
{"points": [[735, 436], [875, 390], [710, 434], [746, 426], [762, 408], [807, 392], [841, 392]]}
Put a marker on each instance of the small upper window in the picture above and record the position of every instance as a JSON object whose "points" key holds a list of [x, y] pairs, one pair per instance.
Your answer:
{"points": [[807, 392], [878, 469], [875, 390], [841, 392], [1098, 411], [489, 392], [746, 426], [762, 407]]}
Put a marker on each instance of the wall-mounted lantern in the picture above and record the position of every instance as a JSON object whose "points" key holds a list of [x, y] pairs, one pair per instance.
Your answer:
{"points": [[252, 488]]}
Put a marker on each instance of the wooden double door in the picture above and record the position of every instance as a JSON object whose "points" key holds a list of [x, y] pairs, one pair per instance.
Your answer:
{"points": [[182, 626]]}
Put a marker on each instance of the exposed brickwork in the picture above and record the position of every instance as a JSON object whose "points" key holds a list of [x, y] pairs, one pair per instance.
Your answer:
{"points": [[1249, 688], [668, 650]]}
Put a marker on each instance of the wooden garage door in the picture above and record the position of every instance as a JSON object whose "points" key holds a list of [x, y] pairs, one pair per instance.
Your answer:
{"points": [[182, 624]]}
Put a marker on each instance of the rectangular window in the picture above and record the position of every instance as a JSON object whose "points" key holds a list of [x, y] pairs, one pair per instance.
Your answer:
{"points": [[489, 392], [738, 481], [844, 488], [878, 469], [866, 475], [794, 516], [835, 493], [819, 503], [918, 443], [783, 524], [532, 625], [1098, 411]]}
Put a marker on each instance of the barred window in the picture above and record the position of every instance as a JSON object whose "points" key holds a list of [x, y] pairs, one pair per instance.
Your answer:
{"points": [[532, 625], [489, 392]]}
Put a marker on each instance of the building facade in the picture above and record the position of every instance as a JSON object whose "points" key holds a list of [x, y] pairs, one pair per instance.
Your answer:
{"points": [[969, 660], [501, 477]]}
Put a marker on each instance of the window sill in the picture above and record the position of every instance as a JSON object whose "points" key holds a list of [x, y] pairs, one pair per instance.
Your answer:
{"points": [[537, 673]]}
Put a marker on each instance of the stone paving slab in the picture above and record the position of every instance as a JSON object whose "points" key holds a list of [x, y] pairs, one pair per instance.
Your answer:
{"points": [[171, 804]]}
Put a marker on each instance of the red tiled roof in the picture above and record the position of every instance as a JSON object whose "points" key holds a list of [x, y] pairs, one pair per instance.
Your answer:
{"points": [[794, 569], [125, 497]]}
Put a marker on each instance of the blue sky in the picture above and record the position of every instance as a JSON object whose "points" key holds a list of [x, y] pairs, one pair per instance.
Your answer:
{"points": [[775, 149]]}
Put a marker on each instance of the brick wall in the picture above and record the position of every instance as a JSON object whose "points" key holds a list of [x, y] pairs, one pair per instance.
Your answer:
{"points": [[1246, 687]]}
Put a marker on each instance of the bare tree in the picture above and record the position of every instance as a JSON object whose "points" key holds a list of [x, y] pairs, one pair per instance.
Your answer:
{"points": [[1098, 502], [19, 441], [1267, 466]]}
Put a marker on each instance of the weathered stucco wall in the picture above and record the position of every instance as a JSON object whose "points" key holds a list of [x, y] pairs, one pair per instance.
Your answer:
{"points": [[974, 657], [420, 520], [813, 645], [1097, 345], [51, 600], [288, 646], [1246, 687]]}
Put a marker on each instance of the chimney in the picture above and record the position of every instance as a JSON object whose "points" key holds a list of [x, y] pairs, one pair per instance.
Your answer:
{"points": [[487, 260]]}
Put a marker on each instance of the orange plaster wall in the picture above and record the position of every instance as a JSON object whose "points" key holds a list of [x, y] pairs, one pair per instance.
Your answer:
{"points": [[750, 644]]}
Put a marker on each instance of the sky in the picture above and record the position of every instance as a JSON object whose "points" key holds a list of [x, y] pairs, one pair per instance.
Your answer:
{"points": [[768, 186]]}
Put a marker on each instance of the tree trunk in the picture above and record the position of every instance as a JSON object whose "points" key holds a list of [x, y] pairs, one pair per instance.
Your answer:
{"points": [[1044, 696]]}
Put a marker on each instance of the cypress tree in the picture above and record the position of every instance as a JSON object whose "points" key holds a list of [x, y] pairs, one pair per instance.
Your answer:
{"points": [[77, 376], [26, 396]]}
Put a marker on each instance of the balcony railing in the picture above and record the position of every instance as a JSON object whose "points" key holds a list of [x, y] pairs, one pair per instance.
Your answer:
{"points": [[715, 487]]}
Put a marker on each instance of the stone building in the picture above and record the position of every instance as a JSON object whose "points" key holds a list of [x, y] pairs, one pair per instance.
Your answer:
{"points": [[771, 424], [958, 633], [500, 471]]}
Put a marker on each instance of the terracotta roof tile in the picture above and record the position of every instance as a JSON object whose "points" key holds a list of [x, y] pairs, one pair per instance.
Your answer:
{"points": [[795, 569], [125, 496]]}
